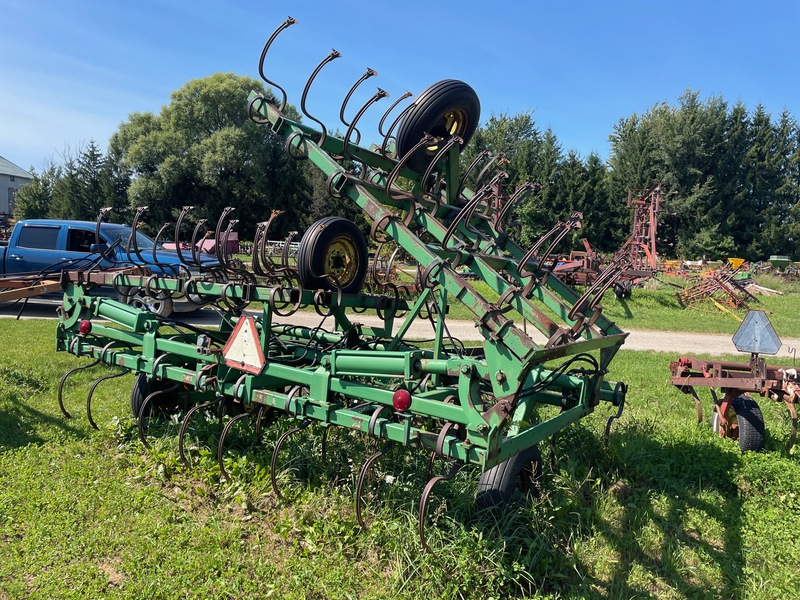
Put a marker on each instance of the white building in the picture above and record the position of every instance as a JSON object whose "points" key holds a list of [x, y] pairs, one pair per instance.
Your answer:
{"points": [[12, 178]]}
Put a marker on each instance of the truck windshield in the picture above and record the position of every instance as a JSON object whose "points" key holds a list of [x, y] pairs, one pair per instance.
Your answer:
{"points": [[124, 233]]}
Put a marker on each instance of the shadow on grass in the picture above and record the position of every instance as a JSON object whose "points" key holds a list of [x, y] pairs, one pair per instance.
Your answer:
{"points": [[655, 536], [22, 424]]}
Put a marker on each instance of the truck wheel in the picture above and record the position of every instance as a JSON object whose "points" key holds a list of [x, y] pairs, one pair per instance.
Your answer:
{"points": [[158, 306], [332, 246], [447, 108], [520, 472]]}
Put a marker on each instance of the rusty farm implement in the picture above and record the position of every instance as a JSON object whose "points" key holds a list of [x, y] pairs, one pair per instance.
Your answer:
{"points": [[357, 368], [732, 385]]}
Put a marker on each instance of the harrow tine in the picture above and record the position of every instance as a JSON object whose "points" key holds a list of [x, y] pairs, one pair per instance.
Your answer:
{"points": [[185, 424], [91, 393], [388, 136], [221, 445], [274, 460], [501, 217], [287, 23], [323, 130], [619, 399], [351, 126], [388, 111], [378, 95], [362, 477], [423, 503], [176, 270], [64, 380], [145, 407], [178, 244], [789, 401]]}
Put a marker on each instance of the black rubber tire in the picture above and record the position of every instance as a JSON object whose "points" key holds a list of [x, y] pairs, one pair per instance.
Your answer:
{"points": [[325, 241], [429, 114], [622, 289], [143, 387], [752, 433], [520, 472]]}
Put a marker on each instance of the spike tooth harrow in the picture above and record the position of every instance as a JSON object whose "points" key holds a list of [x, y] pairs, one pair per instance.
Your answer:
{"points": [[477, 405]]}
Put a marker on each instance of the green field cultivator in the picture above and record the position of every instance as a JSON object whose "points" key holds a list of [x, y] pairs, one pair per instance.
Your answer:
{"points": [[544, 349]]}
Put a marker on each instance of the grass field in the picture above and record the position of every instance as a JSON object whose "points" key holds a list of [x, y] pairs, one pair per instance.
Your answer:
{"points": [[667, 510]]}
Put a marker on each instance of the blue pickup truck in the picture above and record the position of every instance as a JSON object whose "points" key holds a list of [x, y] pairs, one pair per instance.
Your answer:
{"points": [[39, 246]]}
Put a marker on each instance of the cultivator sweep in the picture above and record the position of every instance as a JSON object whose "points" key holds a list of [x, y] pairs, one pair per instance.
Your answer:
{"points": [[357, 367]]}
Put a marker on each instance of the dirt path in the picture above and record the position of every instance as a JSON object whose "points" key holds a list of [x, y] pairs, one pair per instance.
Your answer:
{"points": [[661, 341], [674, 342]]}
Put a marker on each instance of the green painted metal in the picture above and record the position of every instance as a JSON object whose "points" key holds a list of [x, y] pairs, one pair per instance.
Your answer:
{"points": [[513, 391]]}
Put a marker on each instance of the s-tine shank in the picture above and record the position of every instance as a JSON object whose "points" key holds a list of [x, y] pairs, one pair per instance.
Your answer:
{"points": [[287, 23]]}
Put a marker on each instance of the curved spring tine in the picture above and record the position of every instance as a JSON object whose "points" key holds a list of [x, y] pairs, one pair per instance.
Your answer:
{"points": [[106, 253], [133, 240], [63, 381], [557, 233], [323, 131], [423, 503], [619, 396], [221, 445], [501, 220], [481, 156], [196, 242], [91, 393], [175, 270], [218, 253], [397, 120], [789, 401], [184, 211], [594, 293], [367, 74], [362, 477], [443, 151], [185, 423], [255, 258], [465, 214], [375, 97], [274, 460], [143, 411], [287, 23], [389, 110]]}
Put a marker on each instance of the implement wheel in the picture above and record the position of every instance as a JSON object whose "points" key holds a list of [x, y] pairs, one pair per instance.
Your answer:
{"points": [[143, 387], [447, 108], [750, 430], [520, 472], [336, 247]]}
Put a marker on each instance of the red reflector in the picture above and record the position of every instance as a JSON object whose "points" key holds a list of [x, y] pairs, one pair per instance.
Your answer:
{"points": [[85, 327], [401, 400]]}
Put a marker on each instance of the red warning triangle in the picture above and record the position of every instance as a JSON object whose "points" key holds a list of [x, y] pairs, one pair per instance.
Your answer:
{"points": [[243, 349]]}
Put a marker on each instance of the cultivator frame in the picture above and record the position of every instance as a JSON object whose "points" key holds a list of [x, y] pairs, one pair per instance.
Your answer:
{"points": [[467, 405]]}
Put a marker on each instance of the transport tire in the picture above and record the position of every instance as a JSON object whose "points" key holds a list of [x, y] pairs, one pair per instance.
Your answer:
{"points": [[752, 433], [334, 246], [520, 472], [622, 289], [449, 107], [750, 421], [143, 386]]}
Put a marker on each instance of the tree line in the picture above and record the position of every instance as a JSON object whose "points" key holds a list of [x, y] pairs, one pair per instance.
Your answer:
{"points": [[731, 176]]}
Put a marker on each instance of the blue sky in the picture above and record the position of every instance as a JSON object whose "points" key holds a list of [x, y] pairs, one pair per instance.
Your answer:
{"points": [[71, 72]]}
